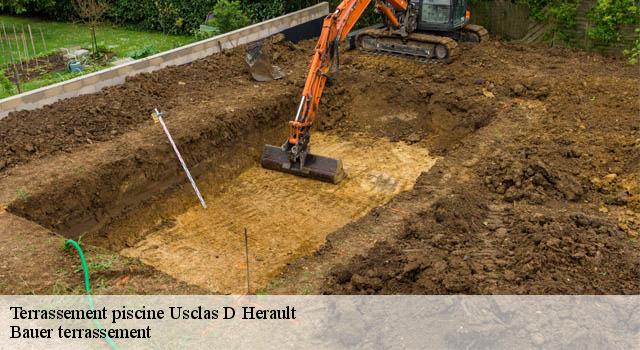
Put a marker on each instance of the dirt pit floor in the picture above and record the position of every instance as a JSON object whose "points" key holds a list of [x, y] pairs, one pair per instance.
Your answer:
{"points": [[206, 248], [514, 169]]}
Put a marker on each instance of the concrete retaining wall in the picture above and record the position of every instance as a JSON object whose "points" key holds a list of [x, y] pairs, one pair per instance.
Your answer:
{"points": [[94, 82]]}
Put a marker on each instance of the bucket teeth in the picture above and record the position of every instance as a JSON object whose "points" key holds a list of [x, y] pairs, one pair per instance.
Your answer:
{"points": [[315, 167]]}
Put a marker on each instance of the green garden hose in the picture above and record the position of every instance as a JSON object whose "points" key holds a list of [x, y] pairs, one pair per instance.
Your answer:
{"points": [[87, 287], [75, 244]]}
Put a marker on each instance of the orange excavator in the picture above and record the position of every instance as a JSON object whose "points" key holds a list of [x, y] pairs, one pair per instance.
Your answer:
{"points": [[426, 29]]}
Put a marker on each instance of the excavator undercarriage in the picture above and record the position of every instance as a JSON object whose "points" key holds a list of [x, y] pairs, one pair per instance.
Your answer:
{"points": [[418, 45], [440, 47]]}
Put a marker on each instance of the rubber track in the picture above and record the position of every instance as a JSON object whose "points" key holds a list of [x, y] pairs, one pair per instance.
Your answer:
{"points": [[450, 44], [482, 32]]}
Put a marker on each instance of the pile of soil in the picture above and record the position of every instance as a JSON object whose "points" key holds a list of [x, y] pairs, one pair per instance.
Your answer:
{"points": [[537, 192], [416, 101], [464, 244], [68, 125]]}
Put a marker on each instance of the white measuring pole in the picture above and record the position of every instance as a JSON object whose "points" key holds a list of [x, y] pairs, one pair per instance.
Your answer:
{"points": [[184, 165]]}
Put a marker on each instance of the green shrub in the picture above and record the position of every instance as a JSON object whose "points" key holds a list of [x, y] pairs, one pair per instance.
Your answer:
{"points": [[55, 9], [536, 8], [634, 51], [168, 16], [562, 16], [6, 86], [608, 15], [263, 10], [175, 16], [142, 53], [228, 15], [24, 6]]}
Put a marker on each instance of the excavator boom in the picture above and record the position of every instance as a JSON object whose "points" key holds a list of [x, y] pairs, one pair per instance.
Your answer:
{"points": [[294, 157], [412, 29]]}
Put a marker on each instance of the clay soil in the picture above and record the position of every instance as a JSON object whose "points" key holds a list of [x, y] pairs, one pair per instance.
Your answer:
{"points": [[536, 187]]}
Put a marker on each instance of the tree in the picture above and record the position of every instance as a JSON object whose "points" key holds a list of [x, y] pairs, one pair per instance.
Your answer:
{"points": [[228, 15], [91, 11]]}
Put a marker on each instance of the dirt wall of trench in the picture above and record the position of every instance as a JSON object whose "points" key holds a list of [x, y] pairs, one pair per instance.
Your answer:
{"points": [[536, 190], [84, 203]]}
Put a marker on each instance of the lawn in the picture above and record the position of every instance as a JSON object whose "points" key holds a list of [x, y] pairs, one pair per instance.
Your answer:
{"points": [[122, 42]]}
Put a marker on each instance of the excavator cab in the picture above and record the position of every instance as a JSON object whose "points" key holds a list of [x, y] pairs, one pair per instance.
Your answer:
{"points": [[448, 18], [442, 15]]}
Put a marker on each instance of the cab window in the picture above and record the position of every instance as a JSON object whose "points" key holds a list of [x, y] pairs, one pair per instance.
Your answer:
{"points": [[435, 11]]}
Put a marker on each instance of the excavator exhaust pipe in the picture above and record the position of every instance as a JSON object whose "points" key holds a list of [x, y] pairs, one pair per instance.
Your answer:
{"points": [[315, 167]]}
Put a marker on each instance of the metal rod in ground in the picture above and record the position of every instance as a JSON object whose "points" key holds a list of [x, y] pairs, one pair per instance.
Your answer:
{"points": [[184, 165], [246, 254]]}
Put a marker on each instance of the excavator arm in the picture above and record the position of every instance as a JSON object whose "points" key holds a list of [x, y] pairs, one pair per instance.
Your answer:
{"points": [[402, 35], [325, 60], [335, 28]]}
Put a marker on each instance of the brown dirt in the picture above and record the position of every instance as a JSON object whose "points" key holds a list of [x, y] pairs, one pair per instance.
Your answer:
{"points": [[542, 200], [260, 201], [536, 191], [90, 119], [76, 187], [35, 262], [36, 67]]}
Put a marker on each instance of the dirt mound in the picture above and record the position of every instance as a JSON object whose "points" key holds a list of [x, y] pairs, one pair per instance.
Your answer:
{"points": [[530, 179], [539, 198], [463, 246], [404, 101], [80, 122]]}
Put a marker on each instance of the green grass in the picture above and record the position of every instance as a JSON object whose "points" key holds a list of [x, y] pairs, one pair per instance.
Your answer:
{"points": [[121, 41], [52, 78]]}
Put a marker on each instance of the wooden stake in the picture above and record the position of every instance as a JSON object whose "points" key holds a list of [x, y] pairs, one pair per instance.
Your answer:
{"points": [[44, 44], [15, 36], [33, 45], [25, 47], [6, 37], [246, 253], [17, 76], [2, 42], [15, 70]]}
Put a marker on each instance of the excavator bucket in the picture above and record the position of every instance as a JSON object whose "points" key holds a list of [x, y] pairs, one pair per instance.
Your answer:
{"points": [[260, 65], [315, 167]]}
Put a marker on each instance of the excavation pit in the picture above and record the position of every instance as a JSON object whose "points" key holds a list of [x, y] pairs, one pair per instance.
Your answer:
{"points": [[286, 216], [97, 168]]}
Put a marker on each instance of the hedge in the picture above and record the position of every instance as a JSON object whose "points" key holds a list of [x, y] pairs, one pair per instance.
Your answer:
{"points": [[170, 16]]}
